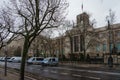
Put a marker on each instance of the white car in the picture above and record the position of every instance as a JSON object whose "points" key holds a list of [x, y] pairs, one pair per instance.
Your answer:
{"points": [[35, 60], [15, 59], [1, 58], [50, 61]]}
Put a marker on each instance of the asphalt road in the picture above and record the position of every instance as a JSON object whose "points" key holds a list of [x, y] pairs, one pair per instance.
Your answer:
{"points": [[70, 73]]}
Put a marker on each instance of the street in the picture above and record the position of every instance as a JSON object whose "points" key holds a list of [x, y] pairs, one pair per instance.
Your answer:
{"points": [[70, 73]]}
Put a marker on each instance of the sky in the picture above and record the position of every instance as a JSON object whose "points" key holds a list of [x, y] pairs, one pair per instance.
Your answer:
{"points": [[98, 10]]}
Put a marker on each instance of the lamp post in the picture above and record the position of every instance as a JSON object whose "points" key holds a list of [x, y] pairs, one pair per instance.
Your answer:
{"points": [[5, 67], [110, 59]]}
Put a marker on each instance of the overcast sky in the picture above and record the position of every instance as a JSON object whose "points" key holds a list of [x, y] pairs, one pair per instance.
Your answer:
{"points": [[98, 9]]}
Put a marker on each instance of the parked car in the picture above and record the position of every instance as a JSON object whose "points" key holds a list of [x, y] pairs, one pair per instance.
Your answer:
{"points": [[15, 59], [2, 59], [35, 60], [50, 61]]}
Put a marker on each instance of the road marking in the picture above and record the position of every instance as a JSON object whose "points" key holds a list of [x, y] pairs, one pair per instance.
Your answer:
{"points": [[38, 69], [53, 71], [64, 73], [45, 70], [92, 77], [76, 75]]}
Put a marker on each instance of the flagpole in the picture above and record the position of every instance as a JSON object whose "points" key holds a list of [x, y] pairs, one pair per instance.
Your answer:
{"points": [[82, 6]]}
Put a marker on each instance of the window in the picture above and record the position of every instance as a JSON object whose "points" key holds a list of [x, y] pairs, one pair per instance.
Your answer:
{"points": [[33, 59], [53, 59], [104, 47], [118, 46], [118, 34], [98, 47], [76, 43]]}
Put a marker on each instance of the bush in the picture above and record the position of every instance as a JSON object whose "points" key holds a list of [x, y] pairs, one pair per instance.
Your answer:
{"points": [[82, 57]]}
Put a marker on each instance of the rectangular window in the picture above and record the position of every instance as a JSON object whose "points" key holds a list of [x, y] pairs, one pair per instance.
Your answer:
{"points": [[76, 43], [118, 34], [118, 46], [98, 47], [104, 47]]}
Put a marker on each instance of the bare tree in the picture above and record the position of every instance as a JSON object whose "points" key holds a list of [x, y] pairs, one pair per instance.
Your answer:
{"points": [[31, 17], [63, 31], [50, 42], [47, 42], [5, 36]]}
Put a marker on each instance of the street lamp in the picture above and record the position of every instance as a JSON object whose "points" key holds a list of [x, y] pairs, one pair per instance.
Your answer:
{"points": [[5, 51], [110, 59]]}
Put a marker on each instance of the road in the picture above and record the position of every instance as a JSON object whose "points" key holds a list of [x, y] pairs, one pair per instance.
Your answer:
{"points": [[70, 73]]}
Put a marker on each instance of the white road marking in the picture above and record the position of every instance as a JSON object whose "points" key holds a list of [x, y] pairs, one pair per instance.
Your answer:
{"points": [[76, 75], [92, 77], [46, 70], [64, 73], [53, 71]]}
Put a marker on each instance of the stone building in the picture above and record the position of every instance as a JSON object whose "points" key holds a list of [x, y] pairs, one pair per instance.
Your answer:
{"points": [[94, 41]]}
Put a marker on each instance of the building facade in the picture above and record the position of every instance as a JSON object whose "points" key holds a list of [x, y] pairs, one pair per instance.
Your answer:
{"points": [[85, 39]]}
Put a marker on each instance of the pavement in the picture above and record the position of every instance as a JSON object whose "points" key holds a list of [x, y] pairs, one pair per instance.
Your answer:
{"points": [[9, 76], [13, 75]]}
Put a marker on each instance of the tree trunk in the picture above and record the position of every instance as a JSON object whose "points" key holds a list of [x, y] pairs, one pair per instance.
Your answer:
{"points": [[24, 55]]}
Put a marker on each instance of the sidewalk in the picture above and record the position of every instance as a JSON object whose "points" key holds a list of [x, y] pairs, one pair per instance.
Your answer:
{"points": [[10, 76], [14, 75]]}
